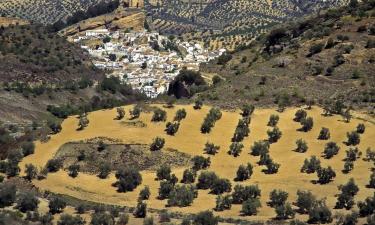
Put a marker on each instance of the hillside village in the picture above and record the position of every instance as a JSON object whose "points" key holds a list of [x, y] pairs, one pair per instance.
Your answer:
{"points": [[146, 60]]}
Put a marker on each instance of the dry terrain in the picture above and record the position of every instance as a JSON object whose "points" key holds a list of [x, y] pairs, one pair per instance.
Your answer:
{"points": [[190, 140]]}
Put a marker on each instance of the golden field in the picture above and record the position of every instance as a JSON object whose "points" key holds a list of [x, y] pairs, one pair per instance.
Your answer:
{"points": [[190, 140]]}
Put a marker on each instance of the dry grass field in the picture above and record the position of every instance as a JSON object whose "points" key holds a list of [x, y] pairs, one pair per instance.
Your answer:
{"points": [[190, 140]]}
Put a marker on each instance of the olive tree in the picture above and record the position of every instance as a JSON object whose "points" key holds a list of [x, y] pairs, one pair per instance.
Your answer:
{"points": [[211, 148], [325, 175], [180, 115], [244, 172], [120, 113], [278, 197], [307, 124], [235, 149], [353, 138], [301, 146], [157, 144], [135, 112], [274, 119], [324, 134], [159, 115], [300, 115]]}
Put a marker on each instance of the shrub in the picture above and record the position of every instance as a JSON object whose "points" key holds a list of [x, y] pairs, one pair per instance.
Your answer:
{"points": [[56, 205], [315, 48], [182, 196], [200, 162], [73, 170], [271, 167], [325, 175], [66, 219], [140, 210], [320, 213], [206, 179], [144, 194], [165, 189], [260, 147], [104, 170], [157, 144], [163, 172], [28, 148], [211, 149], [128, 179], [274, 135], [346, 198], [247, 110], [27, 201], [53, 165], [244, 172], [278, 198], [120, 113], [220, 185], [159, 115], [223, 202], [274, 119], [205, 218], [361, 128], [83, 121], [331, 149], [31, 171], [353, 138], [284, 212], [301, 146], [311, 165], [299, 115], [307, 124], [81, 208], [135, 112], [235, 149], [324, 134], [188, 176], [243, 193], [305, 201], [198, 104], [250, 207], [180, 115], [101, 146], [7, 194]]}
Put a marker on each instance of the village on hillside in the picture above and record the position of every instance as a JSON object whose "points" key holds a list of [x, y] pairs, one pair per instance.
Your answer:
{"points": [[146, 60]]}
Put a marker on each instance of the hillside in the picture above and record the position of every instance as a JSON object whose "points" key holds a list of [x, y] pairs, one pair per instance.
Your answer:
{"points": [[43, 11], [330, 57], [40, 68], [222, 23], [216, 23]]}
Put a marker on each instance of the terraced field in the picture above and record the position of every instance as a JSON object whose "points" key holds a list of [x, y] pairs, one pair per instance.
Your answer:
{"points": [[190, 140], [228, 22]]}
